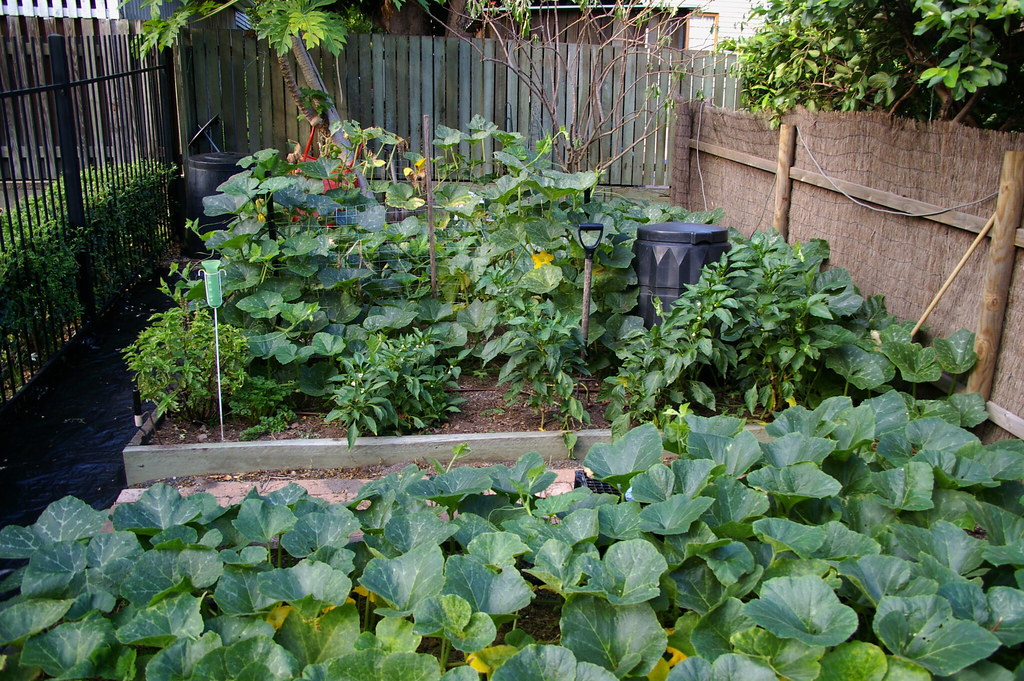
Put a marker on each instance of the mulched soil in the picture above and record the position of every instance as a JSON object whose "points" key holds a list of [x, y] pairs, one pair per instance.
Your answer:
{"points": [[484, 411]]}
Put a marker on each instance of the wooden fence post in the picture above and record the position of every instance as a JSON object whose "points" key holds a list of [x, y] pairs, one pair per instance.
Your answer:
{"points": [[998, 272], [680, 181], [783, 181]]}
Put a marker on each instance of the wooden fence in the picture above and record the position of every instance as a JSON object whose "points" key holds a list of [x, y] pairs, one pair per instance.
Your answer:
{"points": [[393, 81], [900, 204]]}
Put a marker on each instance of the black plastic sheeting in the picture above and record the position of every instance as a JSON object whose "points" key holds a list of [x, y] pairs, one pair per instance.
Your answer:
{"points": [[65, 436]]}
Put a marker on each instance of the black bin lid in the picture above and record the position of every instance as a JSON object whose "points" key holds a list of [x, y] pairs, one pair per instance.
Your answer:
{"points": [[215, 160], [682, 233]]}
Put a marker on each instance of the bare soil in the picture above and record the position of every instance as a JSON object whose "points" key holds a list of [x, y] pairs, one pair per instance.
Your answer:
{"points": [[483, 411]]}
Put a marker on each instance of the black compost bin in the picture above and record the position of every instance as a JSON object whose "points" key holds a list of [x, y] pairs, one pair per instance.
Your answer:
{"points": [[203, 174], [669, 255]]}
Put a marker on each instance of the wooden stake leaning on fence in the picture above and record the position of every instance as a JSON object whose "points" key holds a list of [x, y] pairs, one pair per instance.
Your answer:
{"points": [[428, 182], [998, 272], [956, 270], [783, 181]]}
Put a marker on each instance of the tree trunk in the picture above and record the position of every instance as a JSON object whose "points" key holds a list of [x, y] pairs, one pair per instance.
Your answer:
{"points": [[314, 80]]}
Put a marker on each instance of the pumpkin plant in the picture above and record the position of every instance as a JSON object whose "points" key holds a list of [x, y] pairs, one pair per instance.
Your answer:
{"points": [[857, 537]]}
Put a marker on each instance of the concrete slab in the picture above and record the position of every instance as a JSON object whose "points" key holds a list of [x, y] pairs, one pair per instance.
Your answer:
{"points": [[332, 490]]}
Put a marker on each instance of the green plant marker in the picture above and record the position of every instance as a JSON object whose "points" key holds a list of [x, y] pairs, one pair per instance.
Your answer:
{"points": [[215, 298], [211, 276]]}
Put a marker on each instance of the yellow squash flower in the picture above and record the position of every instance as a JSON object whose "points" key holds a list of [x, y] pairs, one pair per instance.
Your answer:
{"points": [[541, 259], [278, 615]]}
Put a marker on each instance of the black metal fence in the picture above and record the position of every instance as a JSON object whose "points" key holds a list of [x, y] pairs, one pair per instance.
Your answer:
{"points": [[87, 147]]}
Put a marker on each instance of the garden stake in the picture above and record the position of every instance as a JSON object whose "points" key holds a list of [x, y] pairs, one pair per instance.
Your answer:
{"points": [[956, 270], [214, 298], [429, 184]]}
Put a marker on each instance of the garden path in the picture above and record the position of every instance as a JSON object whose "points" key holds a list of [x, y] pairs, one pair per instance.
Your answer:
{"points": [[66, 436]]}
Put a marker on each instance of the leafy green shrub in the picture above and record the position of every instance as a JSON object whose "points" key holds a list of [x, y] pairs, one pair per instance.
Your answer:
{"points": [[262, 401], [859, 538], [393, 385], [174, 360], [768, 323], [126, 225], [544, 349]]}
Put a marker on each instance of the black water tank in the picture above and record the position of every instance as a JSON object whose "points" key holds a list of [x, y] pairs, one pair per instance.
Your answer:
{"points": [[669, 255], [203, 174]]}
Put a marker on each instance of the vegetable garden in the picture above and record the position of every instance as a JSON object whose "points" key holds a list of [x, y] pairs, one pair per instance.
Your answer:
{"points": [[874, 537]]}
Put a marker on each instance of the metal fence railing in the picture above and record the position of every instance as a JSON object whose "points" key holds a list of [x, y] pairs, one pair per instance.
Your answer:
{"points": [[87, 143]]}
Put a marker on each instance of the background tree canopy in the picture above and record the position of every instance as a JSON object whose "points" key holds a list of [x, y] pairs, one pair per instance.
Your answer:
{"points": [[929, 59]]}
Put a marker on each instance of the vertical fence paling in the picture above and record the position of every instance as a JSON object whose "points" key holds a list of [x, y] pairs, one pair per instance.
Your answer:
{"points": [[392, 81], [77, 117], [70, 171]]}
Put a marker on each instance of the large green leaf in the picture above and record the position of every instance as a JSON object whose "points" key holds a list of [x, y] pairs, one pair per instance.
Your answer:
{"points": [[865, 370], [478, 316], [796, 482], [30, 616], [674, 515], [882, 575], [1006, 614], [494, 593], [736, 452], [261, 522], [177, 661], [72, 650], [905, 489], [655, 484], [407, 580], [734, 503], [448, 489], [951, 546], [841, 542], [238, 592], [804, 608], [258, 657], [629, 572], [538, 663], [68, 519], [916, 364], [620, 521], [934, 435], [309, 586], [405, 531], [789, 658], [159, 508], [617, 463], [956, 353], [794, 448], [161, 624], [322, 638], [786, 535], [313, 531], [453, 617], [499, 549], [541, 280], [818, 422], [160, 572], [51, 569], [376, 664], [712, 637], [556, 565], [854, 661], [923, 630], [624, 639]]}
